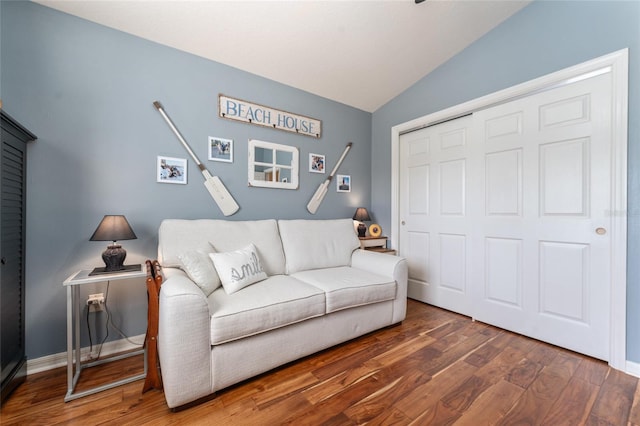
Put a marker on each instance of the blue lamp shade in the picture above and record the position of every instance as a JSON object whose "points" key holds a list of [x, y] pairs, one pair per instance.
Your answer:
{"points": [[113, 228], [361, 215]]}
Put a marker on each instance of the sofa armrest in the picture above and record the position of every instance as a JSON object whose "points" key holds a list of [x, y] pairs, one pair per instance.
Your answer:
{"points": [[184, 340], [389, 266]]}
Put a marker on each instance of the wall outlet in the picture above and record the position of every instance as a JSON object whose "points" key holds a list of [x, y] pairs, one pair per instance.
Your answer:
{"points": [[95, 302]]}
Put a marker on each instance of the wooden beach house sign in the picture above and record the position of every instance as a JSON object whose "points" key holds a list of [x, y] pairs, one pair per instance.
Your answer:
{"points": [[248, 112]]}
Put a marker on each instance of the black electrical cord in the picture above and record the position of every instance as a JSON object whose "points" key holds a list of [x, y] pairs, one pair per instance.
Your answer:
{"points": [[89, 330], [106, 323], [106, 326]]}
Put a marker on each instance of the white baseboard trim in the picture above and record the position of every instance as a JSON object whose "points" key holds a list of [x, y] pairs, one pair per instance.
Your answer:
{"points": [[633, 368], [50, 362]]}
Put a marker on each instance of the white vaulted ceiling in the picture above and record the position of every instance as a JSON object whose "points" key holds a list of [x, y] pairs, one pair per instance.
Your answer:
{"points": [[361, 53]]}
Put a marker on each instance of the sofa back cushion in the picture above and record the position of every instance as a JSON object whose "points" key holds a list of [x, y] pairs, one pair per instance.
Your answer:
{"points": [[314, 244], [177, 236]]}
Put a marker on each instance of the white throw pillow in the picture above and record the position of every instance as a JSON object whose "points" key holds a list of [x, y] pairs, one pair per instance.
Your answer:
{"points": [[198, 266], [238, 269]]}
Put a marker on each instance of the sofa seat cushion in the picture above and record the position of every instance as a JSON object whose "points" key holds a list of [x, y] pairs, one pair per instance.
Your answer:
{"points": [[346, 287], [278, 301]]}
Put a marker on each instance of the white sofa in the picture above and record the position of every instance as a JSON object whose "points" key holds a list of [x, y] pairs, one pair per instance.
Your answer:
{"points": [[321, 290]]}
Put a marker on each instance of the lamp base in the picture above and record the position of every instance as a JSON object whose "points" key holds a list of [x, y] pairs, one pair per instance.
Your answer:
{"points": [[125, 268], [113, 257], [362, 230]]}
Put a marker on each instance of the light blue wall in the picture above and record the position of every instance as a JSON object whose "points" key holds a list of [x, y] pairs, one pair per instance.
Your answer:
{"points": [[544, 37], [86, 91]]}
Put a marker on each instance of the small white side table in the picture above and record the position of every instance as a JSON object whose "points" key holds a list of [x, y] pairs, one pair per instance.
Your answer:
{"points": [[74, 306]]}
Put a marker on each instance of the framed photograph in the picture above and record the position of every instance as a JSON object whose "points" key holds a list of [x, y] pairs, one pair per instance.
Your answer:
{"points": [[343, 183], [220, 149], [171, 170], [316, 163]]}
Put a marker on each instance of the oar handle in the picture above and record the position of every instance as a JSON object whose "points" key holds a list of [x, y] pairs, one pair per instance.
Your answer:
{"points": [[344, 154], [166, 117]]}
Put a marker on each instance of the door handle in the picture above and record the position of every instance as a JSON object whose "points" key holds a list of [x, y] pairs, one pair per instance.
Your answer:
{"points": [[601, 231], [3, 260], [402, 223]]}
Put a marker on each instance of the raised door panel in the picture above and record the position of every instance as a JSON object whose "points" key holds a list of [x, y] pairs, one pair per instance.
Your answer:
{"points": [[564, 280], [564, 178], [452, 188], [503, 272], [453, 262]]}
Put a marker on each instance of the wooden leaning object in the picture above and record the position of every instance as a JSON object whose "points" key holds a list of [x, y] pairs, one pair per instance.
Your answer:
{"points": [[154, 281]]}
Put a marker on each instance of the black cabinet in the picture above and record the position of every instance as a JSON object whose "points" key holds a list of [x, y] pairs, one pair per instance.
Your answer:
{"points": [[13, 168]]}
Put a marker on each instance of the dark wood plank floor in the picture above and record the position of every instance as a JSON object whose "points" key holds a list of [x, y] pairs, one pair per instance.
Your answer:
{"points": [[436, 368]]}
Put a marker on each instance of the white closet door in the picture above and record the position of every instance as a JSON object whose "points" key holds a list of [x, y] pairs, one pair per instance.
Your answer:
{"points": [[505, 215], [434, 185], [543, 260]]}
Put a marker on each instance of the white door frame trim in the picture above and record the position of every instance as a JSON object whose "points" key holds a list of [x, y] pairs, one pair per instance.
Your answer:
{"points": [[616, 63]]}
